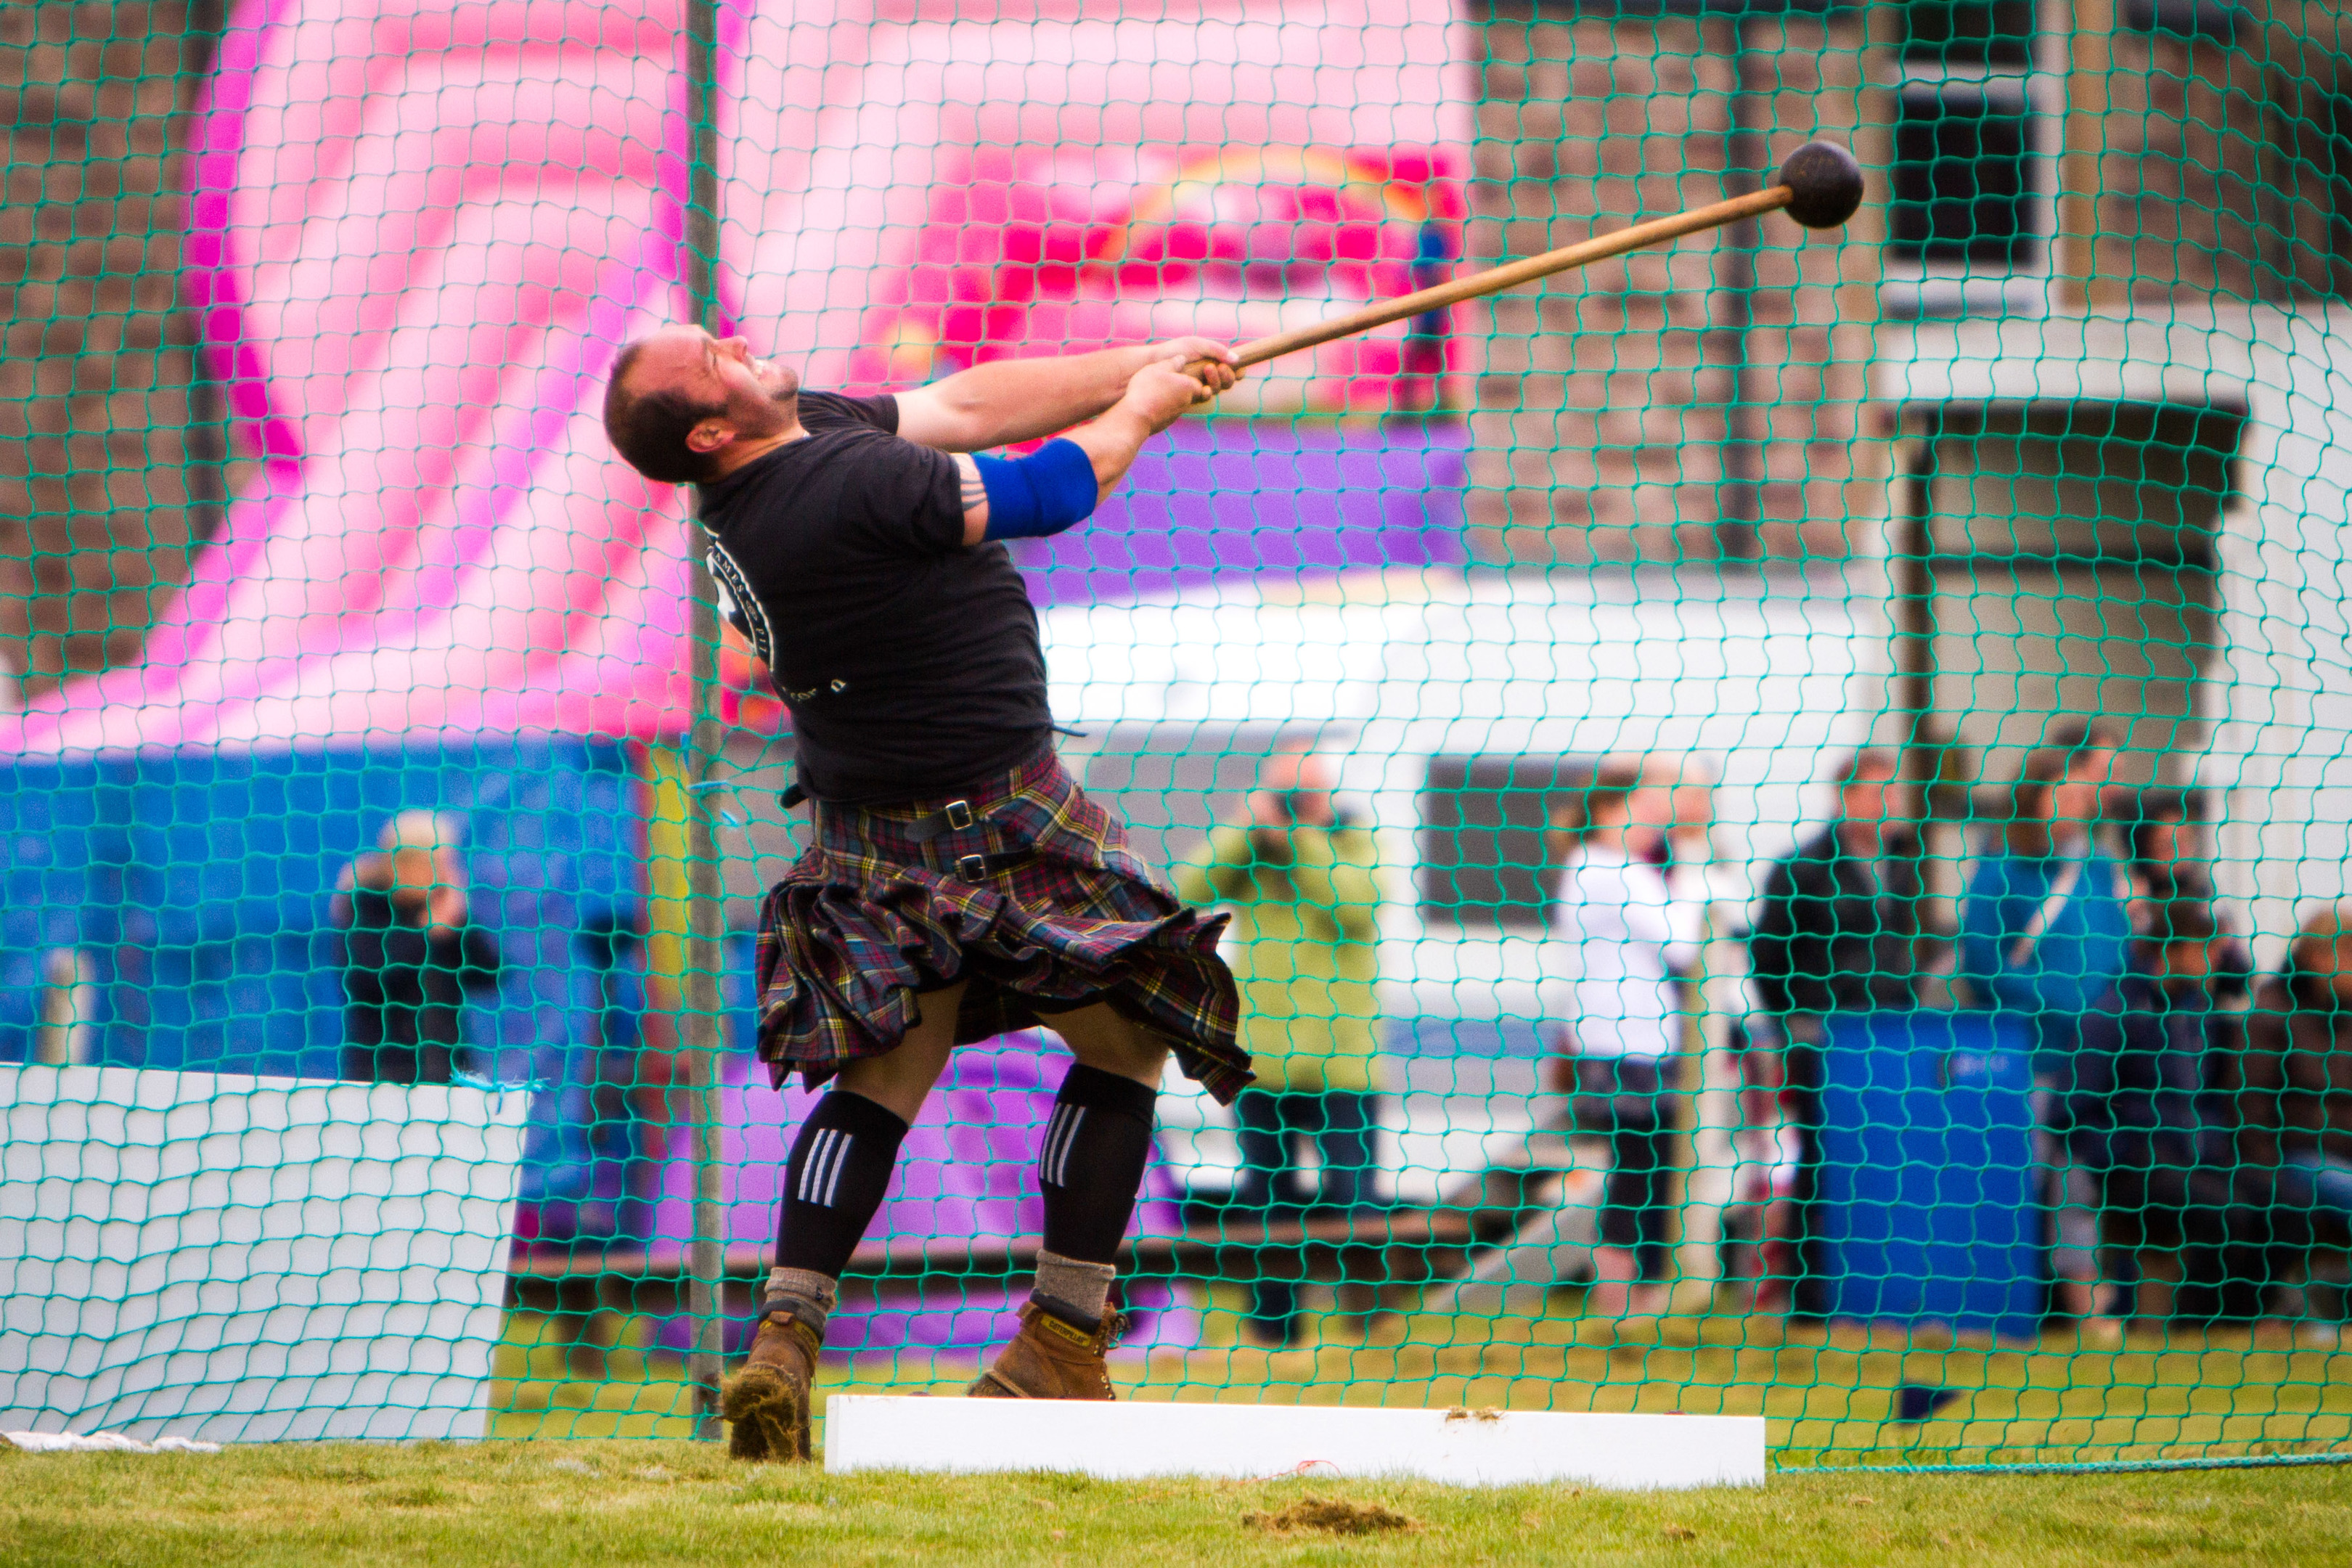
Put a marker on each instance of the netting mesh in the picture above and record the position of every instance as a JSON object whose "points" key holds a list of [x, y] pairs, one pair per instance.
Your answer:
{"points": [[1781, 798]]}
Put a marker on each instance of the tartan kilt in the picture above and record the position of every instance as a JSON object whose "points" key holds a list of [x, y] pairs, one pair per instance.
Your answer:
{"points": [[868, 919]]}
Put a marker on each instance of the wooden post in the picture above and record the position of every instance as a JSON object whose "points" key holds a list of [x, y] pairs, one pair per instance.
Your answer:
{"points": [[2090, 61], [1740, 506]]}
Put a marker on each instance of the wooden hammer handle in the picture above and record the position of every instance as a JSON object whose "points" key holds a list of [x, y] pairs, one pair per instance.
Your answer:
{"points": [[1510, 274]]}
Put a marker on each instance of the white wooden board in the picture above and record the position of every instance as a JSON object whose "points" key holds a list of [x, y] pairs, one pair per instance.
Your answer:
{"points": [[868, 1432]]}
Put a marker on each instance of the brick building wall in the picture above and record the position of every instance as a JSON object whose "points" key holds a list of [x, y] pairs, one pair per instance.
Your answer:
{"points": [[2210, 153], [1811, 324], [1675, 403], [2222, 170], [2189, 176], [110, 445]]}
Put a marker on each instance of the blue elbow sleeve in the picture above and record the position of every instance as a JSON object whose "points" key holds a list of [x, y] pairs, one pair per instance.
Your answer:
{"points": [[1041, 494]]}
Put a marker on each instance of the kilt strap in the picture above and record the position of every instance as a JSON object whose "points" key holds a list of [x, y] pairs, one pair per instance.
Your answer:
{"points": [[955, 817]]}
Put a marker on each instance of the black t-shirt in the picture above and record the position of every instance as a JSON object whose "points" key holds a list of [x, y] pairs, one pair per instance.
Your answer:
{"points": [[910, 663]]}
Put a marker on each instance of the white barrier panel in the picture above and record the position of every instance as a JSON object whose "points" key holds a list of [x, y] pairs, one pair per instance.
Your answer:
{"points": [[1127, 1440], [208, 1256]]}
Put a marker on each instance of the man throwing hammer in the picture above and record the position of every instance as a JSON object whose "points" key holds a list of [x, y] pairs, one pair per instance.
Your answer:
{"points": [[960, 884]]}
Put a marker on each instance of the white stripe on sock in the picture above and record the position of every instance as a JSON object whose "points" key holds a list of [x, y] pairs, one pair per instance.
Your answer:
{"points": [[835, 1152], [1058, 1166], [813, 1167], [1054, 1125], [833, 1175], [800, 1184], [828, 1176]]}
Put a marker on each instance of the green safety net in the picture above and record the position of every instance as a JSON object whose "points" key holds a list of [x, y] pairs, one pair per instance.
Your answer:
{"points": [[1780, 797]]}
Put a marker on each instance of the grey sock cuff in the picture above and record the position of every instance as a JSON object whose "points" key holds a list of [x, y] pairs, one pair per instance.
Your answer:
{"points": [[822, 1291], [1074, 1284]]}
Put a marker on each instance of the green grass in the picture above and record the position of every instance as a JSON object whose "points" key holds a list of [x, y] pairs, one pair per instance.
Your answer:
{"points": [[573, 1503], [586, 1378], [1827, 1393]]}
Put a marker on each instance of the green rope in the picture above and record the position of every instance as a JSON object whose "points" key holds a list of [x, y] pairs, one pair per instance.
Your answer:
{"points": [[2091, 1466]]}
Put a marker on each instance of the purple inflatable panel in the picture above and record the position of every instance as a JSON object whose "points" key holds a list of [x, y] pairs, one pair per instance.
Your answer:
{"points": [[1218, 497]]}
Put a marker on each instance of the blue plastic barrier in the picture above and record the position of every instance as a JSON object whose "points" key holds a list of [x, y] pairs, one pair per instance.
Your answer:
{"points": [[1930, 1207], [197, 885]]}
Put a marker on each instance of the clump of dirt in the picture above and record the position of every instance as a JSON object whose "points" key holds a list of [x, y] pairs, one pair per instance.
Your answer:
{"points": [[1333, 1516], [1466, 1413], [764, 1413]]}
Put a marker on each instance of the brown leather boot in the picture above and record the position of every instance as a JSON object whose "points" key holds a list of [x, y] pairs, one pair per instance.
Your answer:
{"points": [[768, 1402], [1051, 1359]]}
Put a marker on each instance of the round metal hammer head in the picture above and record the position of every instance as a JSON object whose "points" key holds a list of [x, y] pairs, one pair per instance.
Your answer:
{"points": [[1825, 184]]}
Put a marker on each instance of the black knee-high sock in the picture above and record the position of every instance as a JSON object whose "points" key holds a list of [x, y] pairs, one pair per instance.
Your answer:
{"points": [[840, 1168], [1096, 1146]]}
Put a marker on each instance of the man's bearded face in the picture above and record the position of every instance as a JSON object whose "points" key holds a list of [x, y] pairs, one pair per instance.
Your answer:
{"points": [[760, 394]]}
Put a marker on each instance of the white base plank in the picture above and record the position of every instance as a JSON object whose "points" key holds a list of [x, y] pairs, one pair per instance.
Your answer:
{"points": [[1125, 1440]]}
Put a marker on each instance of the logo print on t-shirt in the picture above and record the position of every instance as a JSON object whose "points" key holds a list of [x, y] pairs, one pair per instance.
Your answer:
{"points": [[741, 606]]}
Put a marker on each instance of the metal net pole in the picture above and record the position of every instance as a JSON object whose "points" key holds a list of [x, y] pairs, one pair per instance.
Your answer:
{"points": [[706, 929]]}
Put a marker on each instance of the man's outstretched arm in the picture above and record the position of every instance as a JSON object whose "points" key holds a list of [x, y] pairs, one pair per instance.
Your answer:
{"points": [[1014, 400], [1061, 483]]}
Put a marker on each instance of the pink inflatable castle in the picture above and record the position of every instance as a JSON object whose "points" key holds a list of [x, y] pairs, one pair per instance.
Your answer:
{"points": [[420, 229]]}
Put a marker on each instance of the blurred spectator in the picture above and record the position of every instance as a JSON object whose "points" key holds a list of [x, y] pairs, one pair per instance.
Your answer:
{"points": [[1302, 882], [410, 954], [1839, 926], [2170, 863], [2168, 857], [2295, 1086], [1617, 1014], [2045, 937], [2172, 860], [2147, 1140], [1838, 931]]}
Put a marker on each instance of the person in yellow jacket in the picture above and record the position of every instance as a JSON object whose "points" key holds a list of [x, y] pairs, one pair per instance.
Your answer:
{"points": [[1303, 886]]}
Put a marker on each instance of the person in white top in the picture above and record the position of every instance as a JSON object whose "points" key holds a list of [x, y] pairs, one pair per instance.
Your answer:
{"points": [[1621, 944], [1622, 935]]}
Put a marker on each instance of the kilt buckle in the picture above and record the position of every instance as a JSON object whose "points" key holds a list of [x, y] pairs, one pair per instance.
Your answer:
{"points": [[955, 817], [981, 867]]}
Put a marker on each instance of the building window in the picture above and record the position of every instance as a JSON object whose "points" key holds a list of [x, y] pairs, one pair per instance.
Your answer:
{"points": [[1485, 861], [2215, 19], [2332, 160], [1970, 186], [2317, 137], [1963, 177], [1969, 32]]}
